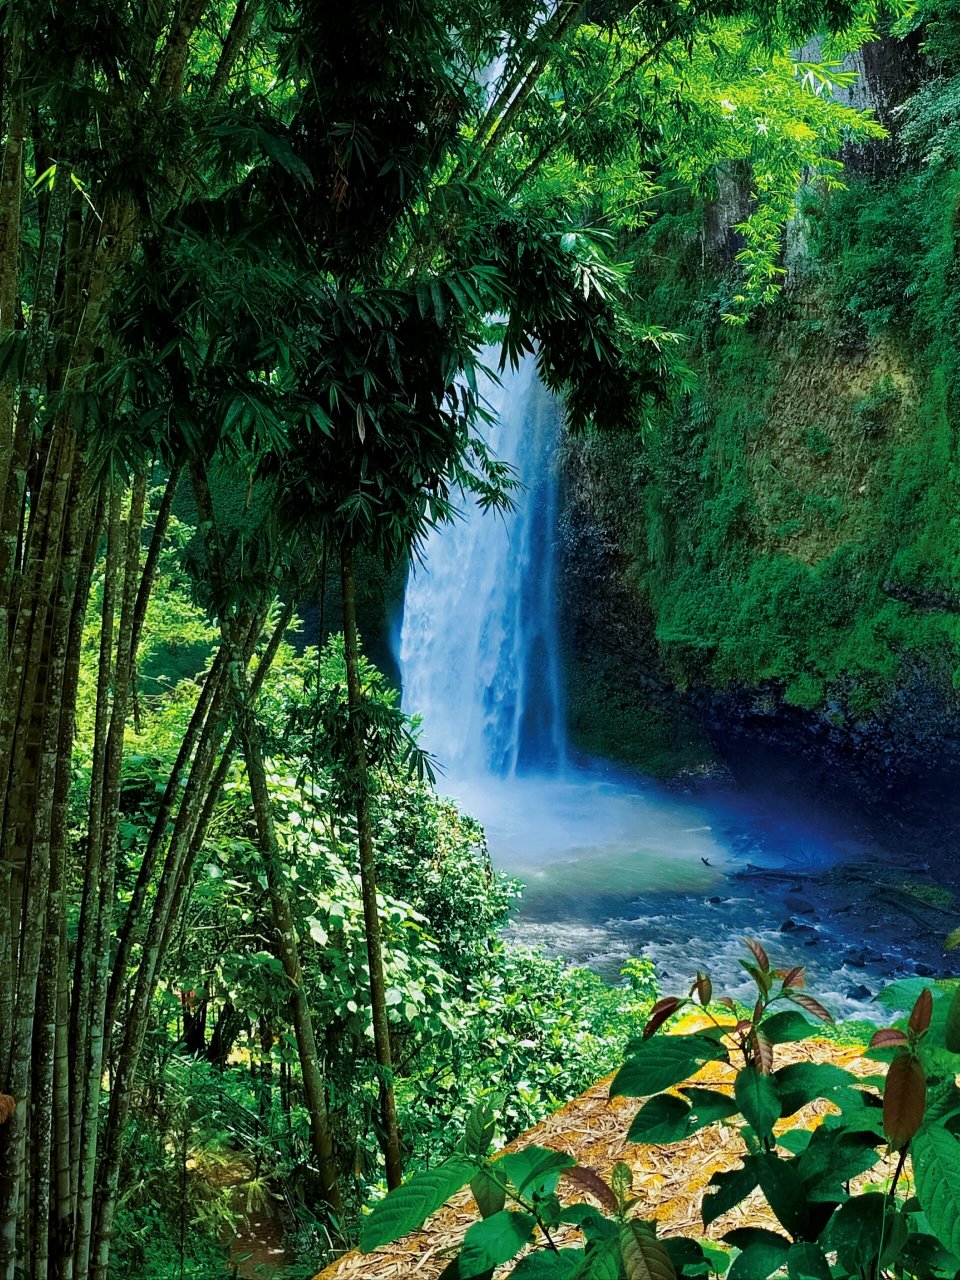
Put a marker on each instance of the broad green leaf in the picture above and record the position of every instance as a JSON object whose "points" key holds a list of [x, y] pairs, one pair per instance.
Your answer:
{"points": [[832, 1158], [601, 1261], [764, 1252], [409, 1206], [662, 1062], [591, 1222], [806, 1261], [924, 1255], [728, 1189], [662, 1118], [545, 1264], [786, 1027], [687, 1256], [802, 1082], [758, 1099], [489, 1191], [708, 1105], [781, 1184], [936, 1171], [644, 1256], [494, 1241], [535, 1170], [858, 1229], [901, 996], [795, 1140], [480, 1127]]}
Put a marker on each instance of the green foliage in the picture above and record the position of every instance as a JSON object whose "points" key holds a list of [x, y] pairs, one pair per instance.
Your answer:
{"points": [[826, 1229], [791, 533], [474, 1020]]}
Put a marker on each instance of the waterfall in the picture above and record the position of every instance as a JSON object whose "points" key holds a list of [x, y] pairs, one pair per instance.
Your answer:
{"points": [[479, 653]]}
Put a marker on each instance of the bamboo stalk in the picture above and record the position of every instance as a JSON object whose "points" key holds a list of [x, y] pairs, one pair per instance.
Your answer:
{"points": [[390, 1139]]}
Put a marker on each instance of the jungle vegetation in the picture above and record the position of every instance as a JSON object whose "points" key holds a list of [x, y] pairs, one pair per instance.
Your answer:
{"points": [[253, 253]]}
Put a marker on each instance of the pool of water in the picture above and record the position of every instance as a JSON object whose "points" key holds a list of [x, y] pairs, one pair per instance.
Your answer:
{"points": [[615, 866]]}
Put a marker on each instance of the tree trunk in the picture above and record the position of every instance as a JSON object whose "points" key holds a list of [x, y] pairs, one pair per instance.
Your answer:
{"points": [[390, 1136]]}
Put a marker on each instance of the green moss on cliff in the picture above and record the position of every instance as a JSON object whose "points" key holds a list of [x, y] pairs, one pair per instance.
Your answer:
{"points": [[796, 517]]}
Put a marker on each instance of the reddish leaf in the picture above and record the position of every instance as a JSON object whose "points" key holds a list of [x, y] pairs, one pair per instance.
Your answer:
{"points": [[758, 951], [813, 1006], [904, 1100], [922, 1012], [725, 1000], [762, 1052], [794, 978], [887, 1038], [758, 1011], [7, 1107], [591, 1181], [743, 1025], [704, 988], [660, 1012]]}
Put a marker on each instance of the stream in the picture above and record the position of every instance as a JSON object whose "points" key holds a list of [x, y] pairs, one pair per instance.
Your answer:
{"points": [[617, 865]]}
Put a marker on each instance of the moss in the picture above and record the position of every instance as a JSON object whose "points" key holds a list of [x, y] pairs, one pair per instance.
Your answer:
{"points": [[796, 517]]}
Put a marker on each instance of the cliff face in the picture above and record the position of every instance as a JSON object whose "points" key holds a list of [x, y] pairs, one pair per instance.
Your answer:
{"points": [[780, 554]]}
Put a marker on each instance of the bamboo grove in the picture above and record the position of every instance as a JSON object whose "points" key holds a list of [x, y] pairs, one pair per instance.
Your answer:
{"points": [[252, 248]]}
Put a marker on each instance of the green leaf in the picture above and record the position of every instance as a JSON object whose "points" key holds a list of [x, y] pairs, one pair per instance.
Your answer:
{"points": [[806, 1261], [409, 1206], [535, 1170], [802, 1082], [660, 1063], [952, 941], [758, 1099], [728, 1190], [786, 1027], [795, 1140], [764, 1252], [644, 1256], [494, 1241], [545, 1264], [663, 1118], [855, 1231], [832, 1158], [601, 1261], [489, 1191], [924, 1255], [687, 1256], [667, 1118], [936, 1171], [781, 1184], [480, 1128]]}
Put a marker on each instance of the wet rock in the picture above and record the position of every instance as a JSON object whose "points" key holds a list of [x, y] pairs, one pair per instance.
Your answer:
{"points": [[788, 926], [859, 992], [804, 933], [924, 971], [799, 906], [860, 957], [716, 899]]}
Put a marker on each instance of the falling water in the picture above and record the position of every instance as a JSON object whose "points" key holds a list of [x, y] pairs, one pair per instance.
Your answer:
{"points": [[478, 650]]}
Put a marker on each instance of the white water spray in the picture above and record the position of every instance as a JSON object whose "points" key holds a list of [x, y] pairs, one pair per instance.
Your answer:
{"points": [[479, 653]]}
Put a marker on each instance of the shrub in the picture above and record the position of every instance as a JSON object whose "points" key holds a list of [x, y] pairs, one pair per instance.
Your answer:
{"points": [[892, 1225]]}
